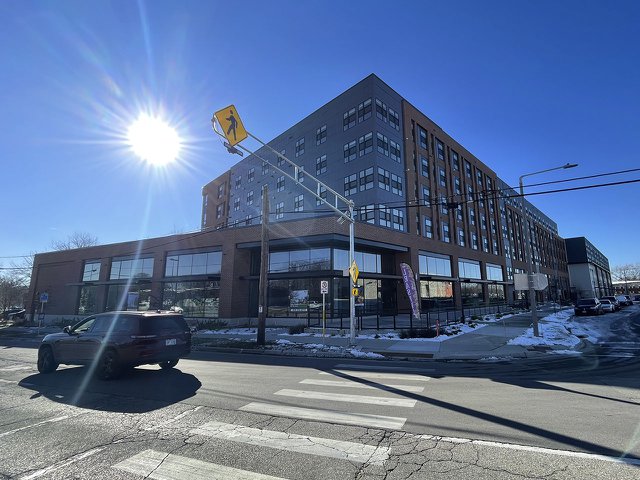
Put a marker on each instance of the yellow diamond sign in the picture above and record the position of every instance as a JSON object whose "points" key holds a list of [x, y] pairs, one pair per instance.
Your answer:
{"points": [[354, 272], [231, 124]]}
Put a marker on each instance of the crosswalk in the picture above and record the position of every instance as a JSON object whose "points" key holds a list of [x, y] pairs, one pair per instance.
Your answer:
{"points": [[354, 385]]}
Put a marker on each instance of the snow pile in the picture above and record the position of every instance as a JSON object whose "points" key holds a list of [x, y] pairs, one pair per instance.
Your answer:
{"points": [[563, 329]]}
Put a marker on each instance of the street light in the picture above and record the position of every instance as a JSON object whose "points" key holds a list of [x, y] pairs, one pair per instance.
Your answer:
{"points": [[528, 249]]}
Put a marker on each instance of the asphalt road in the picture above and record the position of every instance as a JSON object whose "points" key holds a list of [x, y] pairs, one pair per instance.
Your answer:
{"points": [[258, 416]]}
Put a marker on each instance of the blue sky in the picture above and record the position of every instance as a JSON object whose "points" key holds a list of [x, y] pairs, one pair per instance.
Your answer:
{"points": [[524, 85]]}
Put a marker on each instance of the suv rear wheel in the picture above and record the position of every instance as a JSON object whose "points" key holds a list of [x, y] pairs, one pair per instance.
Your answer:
{"points": [[168, 364], [108, 366], [46, 362]]}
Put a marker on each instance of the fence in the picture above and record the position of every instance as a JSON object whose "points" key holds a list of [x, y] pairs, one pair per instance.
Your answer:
{"points": [[401, 319]]}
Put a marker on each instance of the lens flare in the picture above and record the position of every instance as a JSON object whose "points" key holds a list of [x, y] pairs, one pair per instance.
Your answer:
{"points": [[153, 140]]}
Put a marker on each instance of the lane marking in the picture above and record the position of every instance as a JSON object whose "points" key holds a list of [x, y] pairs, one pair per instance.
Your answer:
{"points": [[174, 419], [51, 420], [2, 380], [382, 376], [344, 397], [329, 416], [352, 384], [530, 448], [167, 466], [324, 447], [62, 464], [384, 368]]}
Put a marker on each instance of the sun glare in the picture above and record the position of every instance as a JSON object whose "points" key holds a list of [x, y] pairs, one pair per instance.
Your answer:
{"points": [[153, 140]]}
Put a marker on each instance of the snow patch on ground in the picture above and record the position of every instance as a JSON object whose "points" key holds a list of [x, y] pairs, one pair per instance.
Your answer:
{"points": [[563, 329]]}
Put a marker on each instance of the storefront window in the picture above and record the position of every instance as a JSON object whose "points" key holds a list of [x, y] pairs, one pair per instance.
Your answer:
{"points": [[196, 299], [496, 293], [87, 303], [436, 295], [471, 294], [135, 297]]}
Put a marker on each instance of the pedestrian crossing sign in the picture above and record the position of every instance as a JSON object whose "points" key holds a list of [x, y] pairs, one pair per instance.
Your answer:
{"points": [[232, 126]]}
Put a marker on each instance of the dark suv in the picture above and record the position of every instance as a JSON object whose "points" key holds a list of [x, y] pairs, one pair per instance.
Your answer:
{"points": [[113, 341]]}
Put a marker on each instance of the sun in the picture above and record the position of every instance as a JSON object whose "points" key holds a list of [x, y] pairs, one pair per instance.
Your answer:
{"points": [[153, 140]]}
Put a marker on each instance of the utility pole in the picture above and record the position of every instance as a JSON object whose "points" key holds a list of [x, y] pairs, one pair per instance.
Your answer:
{"points": [[264, 267]]}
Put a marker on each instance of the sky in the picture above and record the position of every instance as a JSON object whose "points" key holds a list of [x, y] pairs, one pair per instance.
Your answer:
{"points": [[523, 85]]}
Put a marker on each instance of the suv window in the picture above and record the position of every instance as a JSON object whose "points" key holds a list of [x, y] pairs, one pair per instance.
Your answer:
{"points": [[587, 302], [85, 325], [162, 325]]}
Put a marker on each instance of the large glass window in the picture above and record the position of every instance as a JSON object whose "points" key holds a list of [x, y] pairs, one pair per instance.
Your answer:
{"points": [[133, 297], [435, 264], [300, 260], [436, 295], [496, 293], [494, 272], [205, 263], [87, 303], [367, 262], [91, 272], [196, 299], [122, 269], [471, 294], [468, 269]]}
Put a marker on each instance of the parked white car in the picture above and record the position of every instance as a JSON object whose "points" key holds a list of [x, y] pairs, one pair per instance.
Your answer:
{"points": [[608, 306]]}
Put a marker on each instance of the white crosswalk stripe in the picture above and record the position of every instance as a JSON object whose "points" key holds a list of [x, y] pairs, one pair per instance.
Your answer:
{"points": [[383, 368], [321, 415], [15, 368], [324, 447], [377, 376], [352, 384], [342, 397], [167, 466]]}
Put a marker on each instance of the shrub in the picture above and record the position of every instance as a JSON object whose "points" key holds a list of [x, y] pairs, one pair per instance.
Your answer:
{"points": [[418, 333], [296, 329], [210, 324]]}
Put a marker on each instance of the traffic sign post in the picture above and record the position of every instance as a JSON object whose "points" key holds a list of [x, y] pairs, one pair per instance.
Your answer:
{"points": [[44, 298], [324, 289]]}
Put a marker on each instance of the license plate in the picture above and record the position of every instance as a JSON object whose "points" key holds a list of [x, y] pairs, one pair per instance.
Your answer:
{"points": [[583, 311], [171, 341]]}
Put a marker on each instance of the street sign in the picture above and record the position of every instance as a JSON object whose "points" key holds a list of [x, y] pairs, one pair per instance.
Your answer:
{"points": [[324, 286], [231, 124], [44, 297], [354, 272], [355, 292]]}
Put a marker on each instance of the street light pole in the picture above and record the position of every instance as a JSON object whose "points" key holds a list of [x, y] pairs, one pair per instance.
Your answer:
{"points": [[528, 248]]}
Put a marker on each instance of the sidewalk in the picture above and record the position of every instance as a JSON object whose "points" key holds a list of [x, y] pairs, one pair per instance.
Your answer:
{"points": [[488, 341]]}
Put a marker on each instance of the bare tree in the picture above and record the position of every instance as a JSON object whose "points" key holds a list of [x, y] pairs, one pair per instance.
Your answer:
{"points": [[22, 269], [12, 291], [628, 272], [75, 240]]}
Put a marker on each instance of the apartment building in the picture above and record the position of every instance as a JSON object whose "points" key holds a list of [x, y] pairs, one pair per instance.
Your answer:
{"points": [[420, 198]]}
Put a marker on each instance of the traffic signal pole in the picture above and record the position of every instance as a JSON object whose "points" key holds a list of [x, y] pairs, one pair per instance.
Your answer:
{"points": [[342, 206]]}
